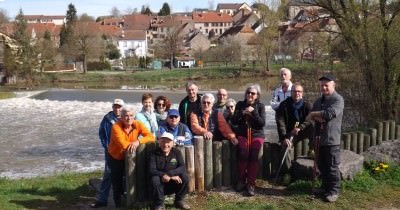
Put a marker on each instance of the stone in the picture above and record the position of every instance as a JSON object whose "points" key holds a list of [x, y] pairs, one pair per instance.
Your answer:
{"points": [[350, 164], [388, 152]]}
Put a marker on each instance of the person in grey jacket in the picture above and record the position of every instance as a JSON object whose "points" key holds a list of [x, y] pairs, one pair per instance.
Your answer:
{"points": [[327, 113]]}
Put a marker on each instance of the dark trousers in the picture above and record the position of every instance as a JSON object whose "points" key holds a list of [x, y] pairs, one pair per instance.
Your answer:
{"points": [[328, 165], [117, 173], [160, 189], [248, 159]]}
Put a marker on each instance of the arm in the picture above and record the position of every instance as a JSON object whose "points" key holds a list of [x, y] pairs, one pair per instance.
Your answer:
{"points": [[118, 137], [146, 134], [224, 127], [258, 115], [153, 166], [194, 124], [103, 134], [275, 99], [305, 123], [333, 110]]}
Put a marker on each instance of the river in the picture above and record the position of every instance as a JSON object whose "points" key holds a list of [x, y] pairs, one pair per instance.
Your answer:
{"points": [[56, 130]]}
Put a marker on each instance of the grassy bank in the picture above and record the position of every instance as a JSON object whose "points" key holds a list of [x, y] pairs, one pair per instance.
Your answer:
{"points": [[4, 95], [71, 191]]}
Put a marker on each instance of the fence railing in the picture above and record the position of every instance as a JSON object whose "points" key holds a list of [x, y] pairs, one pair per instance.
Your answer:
{"points": [[212, 164]]}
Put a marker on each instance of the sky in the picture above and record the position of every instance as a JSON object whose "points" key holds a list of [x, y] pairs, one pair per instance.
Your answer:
{"points": [[97, 8]]}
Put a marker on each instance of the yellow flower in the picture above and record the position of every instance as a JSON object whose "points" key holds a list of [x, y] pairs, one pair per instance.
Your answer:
{"points": [[377, 169], [385, 166]]}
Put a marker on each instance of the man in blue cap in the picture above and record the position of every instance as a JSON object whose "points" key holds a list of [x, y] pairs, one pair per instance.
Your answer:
{"points": [[181, 132], [327, 113]]}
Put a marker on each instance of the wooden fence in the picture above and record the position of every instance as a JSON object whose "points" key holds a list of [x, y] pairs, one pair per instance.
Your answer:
{"points": [[212, 164]]}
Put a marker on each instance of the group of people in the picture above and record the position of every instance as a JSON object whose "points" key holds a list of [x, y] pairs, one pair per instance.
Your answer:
{"points": [[123, 129]]}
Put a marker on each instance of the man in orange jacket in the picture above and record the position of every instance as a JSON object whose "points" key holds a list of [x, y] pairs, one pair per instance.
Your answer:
{"points": [[124, 138]]}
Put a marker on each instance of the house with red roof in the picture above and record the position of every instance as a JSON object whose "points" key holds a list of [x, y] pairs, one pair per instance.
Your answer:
{"points": [[55, 19], [215, 23], [232, 9]]}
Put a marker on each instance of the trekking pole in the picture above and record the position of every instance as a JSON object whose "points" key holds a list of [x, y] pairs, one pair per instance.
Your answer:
{"points": [[316, 155], [284, 156]]}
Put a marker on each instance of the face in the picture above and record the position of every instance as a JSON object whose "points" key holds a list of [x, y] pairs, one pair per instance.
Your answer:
{"points": [[173, 120], [222, 95], [285, 75], [147, 104], [206, 105], [161, 106], [230, 107], [327, 87], [166, 145], [297, 93], [117, 110], [251, 95], [192, 91], [127, 119]]}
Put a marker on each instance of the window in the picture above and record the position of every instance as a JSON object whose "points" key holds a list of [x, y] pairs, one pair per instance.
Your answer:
{"points": [[205, 24]]}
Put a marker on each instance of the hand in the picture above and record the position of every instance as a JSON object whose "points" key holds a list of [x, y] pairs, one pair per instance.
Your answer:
{"points": [[133, 146], [295, 131], [248, 110], [208, 136], [235, 141], [287, 143], [165, 178], [177, 179]]}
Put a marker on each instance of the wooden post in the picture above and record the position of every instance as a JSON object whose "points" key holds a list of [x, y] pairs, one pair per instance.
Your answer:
{"points": [[398, 132], [275, 157], [267, 160], [297, 149], [208, 165], [181, 149], [386, 130], [392, 129], [217, 163], [130, 173], [150, 147], [353, 144], [226, 165], [141, 172], [380, 133], [189, 155], [367, 142], [346, 140], [305, 147], [373, 133], [260, 162], [360, 142], [234, 175], [199, 162]]}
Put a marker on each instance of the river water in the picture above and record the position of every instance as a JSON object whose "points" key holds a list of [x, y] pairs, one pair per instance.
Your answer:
{"points": [[55, 131]]}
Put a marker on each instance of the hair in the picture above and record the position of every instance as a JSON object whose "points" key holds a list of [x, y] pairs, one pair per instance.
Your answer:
{"points": [[285, 69], [190, 83], [146, 96], [256, 87], [166, 101], [231, 101], [128, 108], [296, 84], [208, 95]]}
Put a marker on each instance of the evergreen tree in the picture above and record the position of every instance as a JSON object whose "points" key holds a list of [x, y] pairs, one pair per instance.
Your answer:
{"points": [[165, 10]]}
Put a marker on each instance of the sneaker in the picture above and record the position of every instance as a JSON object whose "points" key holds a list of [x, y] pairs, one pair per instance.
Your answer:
{"points": [[181, 205], [240, 186], [98, 204], [159, 207], [331, 198], [250, 190]]}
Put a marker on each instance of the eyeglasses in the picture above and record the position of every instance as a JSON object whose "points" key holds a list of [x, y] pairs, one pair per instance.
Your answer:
{"points": [[230, 107], [251, 93], [160, 104], [297, 91], [172, 116], [206, 102]]}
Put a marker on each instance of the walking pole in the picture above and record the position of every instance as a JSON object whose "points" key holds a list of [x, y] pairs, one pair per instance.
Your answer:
{"points": [[316, 155], [284, 156]]}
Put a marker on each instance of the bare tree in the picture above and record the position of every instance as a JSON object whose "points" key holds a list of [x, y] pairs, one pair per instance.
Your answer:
{"points": [[115, 12]]}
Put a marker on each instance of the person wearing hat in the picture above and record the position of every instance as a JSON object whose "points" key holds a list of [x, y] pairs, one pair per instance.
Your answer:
{"points": [[168, 173], [180, 131], [105, 135], [327, 113]]}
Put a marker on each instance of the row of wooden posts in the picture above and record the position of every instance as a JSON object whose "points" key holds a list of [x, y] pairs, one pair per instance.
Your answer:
{"points": [[213, 164]]}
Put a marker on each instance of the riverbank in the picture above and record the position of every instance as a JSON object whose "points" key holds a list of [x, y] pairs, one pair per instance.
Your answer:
{"points": [[72, 191]]}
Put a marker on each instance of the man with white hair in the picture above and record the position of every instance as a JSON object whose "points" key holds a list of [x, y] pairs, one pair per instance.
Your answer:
{"points": [[105, 134], [283, 91]]}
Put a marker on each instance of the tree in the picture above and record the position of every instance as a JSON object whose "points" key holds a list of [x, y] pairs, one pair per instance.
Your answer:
{"points": [[86, 18], [47, 51], [115, 12], [165, 10], [370, 30], [67, 29], [112, 52], [3, 16], [145, 10]]}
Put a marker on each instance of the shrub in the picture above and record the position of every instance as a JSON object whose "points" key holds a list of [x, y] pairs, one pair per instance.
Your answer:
{"points": [[97, 65]]}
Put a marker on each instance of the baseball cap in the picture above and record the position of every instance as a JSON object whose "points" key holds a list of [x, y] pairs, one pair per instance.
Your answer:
{"points": [[167, 135], [119, 101], [173, 112], [327, 77]]}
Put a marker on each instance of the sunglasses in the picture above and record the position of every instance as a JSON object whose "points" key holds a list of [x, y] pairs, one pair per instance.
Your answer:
{"points": [[206, 102], [172, 116], [230, 107], [251, 93], [160, 104]]}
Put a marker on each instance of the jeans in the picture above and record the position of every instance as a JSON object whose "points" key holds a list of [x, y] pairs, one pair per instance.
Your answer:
{"points": [[248, 159], [105, 186], [328, 165]]}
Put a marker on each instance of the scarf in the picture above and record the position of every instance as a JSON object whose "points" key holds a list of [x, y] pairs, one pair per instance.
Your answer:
{"points": [[296, 107], [153, 125]]}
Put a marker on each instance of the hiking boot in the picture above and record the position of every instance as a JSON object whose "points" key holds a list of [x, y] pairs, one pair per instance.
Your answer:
{"points": [[250, 190], [98, 204], [331, 198], [240, 186], [181, 205], [311, 154]]}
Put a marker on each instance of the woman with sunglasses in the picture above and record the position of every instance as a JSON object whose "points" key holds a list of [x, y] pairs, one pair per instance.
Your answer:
{"points": [[249, 117], [161, 107]]}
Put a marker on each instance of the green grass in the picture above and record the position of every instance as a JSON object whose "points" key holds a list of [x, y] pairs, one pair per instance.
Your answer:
{"points": [[4, 95]]}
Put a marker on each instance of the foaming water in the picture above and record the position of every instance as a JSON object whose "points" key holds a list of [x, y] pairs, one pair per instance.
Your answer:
{"points": [[45, 137]]}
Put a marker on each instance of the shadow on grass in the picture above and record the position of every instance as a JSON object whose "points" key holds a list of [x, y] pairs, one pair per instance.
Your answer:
{"points": [[55, 198]]}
